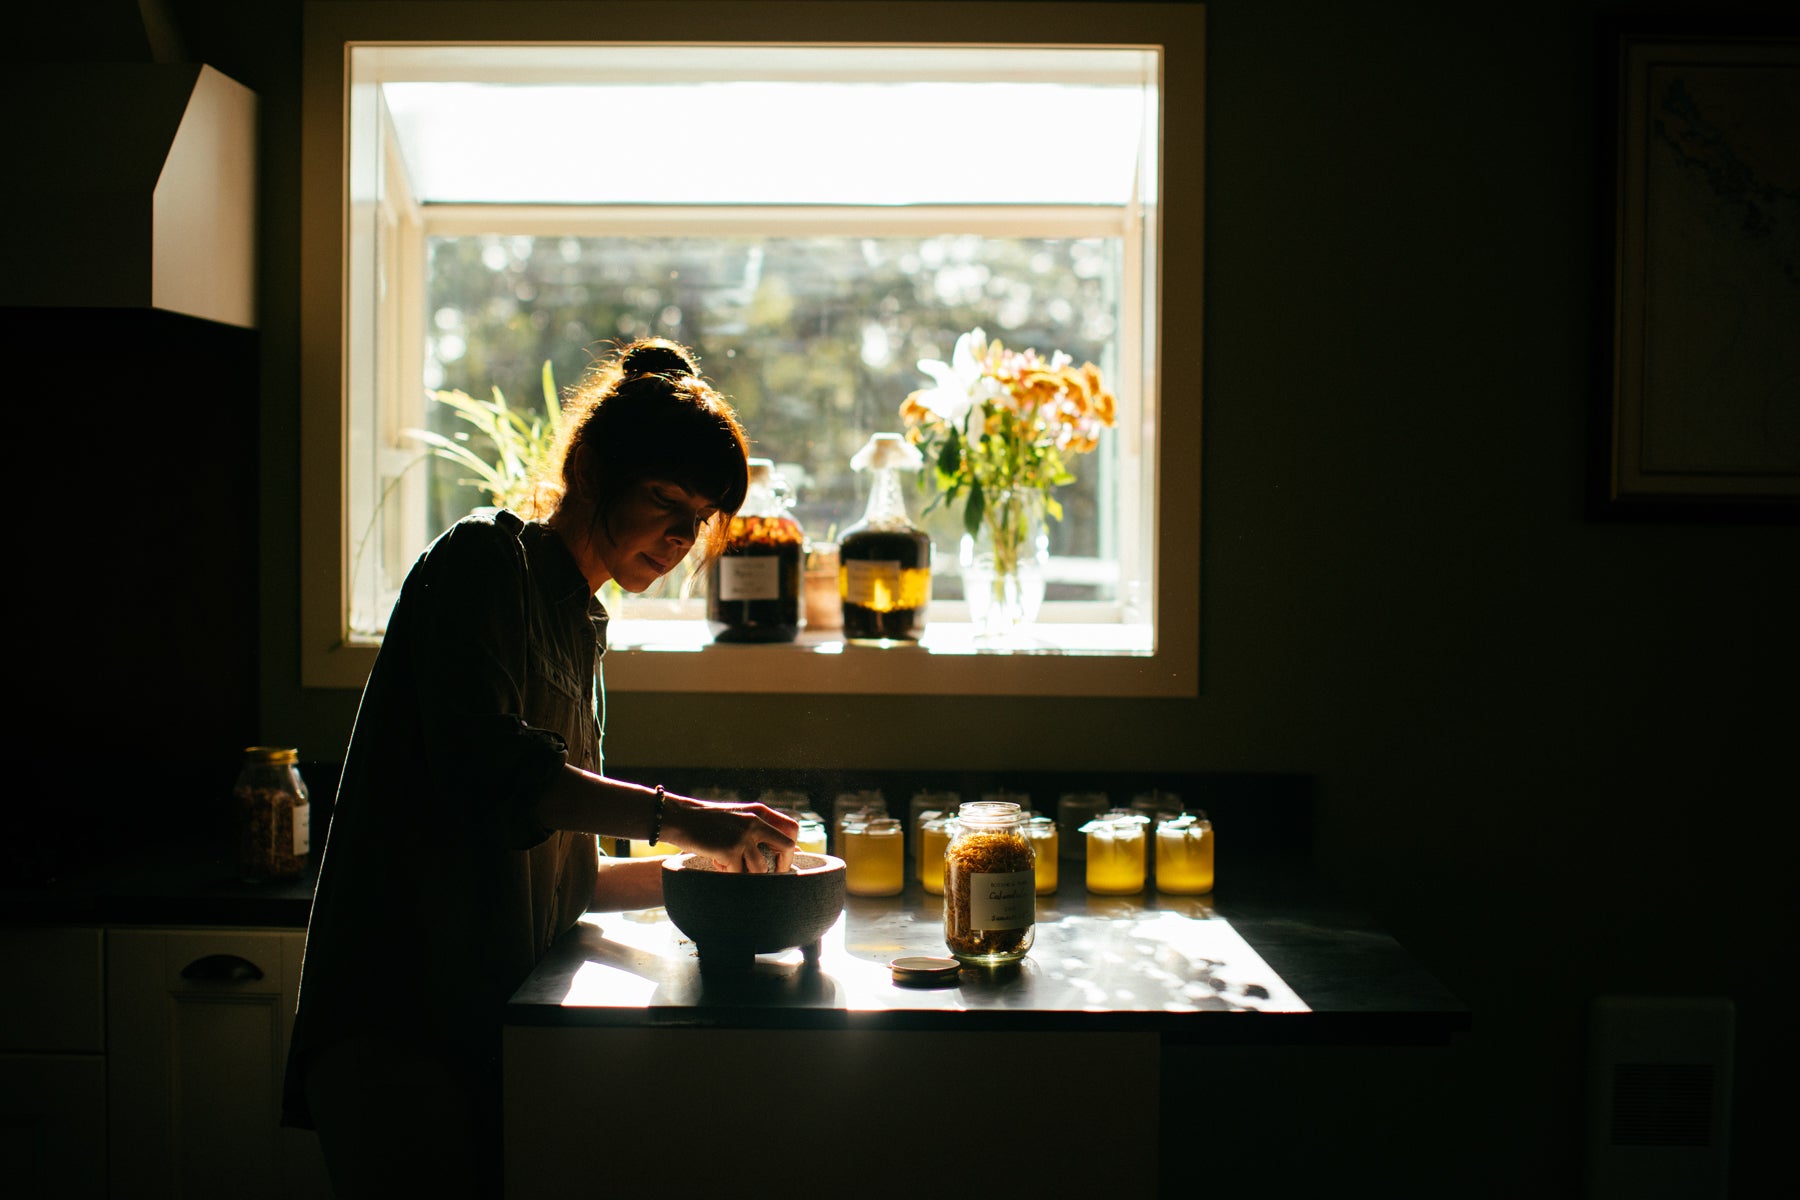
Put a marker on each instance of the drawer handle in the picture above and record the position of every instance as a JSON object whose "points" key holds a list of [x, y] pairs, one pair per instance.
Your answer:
{"points": [[222, 968]]}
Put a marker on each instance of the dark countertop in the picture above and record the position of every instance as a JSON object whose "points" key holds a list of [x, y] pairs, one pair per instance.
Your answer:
{"points": [[160, 884], [1289, 964], [1148, 962]]}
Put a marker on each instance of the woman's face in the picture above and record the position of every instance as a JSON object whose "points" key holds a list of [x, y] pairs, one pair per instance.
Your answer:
{"points": [[651, 527]]}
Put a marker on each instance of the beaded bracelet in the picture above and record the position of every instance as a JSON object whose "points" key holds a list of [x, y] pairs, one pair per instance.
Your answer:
{"points": [[656, 822]]}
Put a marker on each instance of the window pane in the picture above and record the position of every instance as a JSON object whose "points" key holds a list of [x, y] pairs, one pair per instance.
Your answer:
{"points": [[815, 339]]}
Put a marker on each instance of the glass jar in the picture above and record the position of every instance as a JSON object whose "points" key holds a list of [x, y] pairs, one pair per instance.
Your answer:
{"points": [[1042, 832], [1154, 806], [884, 560], [753, 588], [1115, 854], [870, 802], [874, 856], [824, 610], [934, 836], [1184, 855], [812, 839], [1073, 810], [920, 803], [990, 885], [273, 807]]}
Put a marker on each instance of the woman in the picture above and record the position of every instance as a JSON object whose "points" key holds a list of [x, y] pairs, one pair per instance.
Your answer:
{"points": [[462, 839]]}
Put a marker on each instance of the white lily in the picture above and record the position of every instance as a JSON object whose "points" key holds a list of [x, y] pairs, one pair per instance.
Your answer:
{"points": [[960, 382]]}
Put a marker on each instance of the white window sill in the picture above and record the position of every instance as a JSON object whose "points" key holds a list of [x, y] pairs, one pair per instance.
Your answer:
{"points": [[1063, 659]]}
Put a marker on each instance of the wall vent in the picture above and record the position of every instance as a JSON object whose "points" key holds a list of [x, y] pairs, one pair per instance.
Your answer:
{"points": [[1659, 1097]]}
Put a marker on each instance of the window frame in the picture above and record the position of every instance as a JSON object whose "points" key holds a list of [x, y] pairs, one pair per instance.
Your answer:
{"points": [[337, 330]]}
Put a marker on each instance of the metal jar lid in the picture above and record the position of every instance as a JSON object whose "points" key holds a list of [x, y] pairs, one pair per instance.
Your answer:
{"points": [[924, 969]]}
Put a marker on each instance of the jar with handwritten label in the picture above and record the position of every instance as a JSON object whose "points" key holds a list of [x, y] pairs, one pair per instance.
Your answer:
{"points": [[753, 588], [273, 809], [990, 885], [884, 560]]}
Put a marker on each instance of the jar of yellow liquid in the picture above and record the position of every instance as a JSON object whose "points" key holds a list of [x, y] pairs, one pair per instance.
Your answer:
{"points": [[1155, 806], [1041, 832], [915, 839], [646, 849], [1115, 854], [812, 837], [874, 857], [935, 833], [1184, 855], [920, 804], [853, 805]]}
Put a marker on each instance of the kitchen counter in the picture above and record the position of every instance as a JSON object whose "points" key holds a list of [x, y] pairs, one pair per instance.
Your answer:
{"points": [[1304, 968], [1131, 1015], [160, 883]]}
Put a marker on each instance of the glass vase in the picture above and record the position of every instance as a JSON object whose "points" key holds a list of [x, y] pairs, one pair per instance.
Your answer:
{"points": [[1003, 564]]}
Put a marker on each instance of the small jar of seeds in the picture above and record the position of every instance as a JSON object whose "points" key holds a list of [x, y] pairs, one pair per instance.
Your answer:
{"points": [[272, 809], [990, 885]]}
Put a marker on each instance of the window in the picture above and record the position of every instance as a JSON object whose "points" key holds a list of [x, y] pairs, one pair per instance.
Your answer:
{"points": [[851, 209]]}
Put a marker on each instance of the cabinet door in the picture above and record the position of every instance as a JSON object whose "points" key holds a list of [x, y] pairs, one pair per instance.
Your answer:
{"points": [[53, 1125], [52, 1072], [198, 1024]]}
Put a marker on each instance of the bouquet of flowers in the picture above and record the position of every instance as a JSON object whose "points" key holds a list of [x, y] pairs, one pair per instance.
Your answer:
{"points": [[1000, 427]]}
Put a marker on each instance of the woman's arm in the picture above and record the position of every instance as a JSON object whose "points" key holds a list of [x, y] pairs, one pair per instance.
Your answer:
{"points": [[734, 835], [628, 883]]}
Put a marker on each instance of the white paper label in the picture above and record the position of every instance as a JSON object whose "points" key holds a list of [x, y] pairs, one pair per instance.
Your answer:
{"points": [[872, 584], [750, 577], [1004, 901], [302, 834]]}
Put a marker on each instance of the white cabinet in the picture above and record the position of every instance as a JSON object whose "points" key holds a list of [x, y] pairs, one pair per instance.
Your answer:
{"points": [[197, 1025], [52, 1064]]}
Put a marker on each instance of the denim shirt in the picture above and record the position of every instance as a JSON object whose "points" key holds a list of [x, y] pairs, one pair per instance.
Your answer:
{"points": [[438, 889]]}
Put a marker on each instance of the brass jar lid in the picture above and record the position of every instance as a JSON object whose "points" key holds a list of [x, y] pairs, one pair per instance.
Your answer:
{"points": [[924, 969]]}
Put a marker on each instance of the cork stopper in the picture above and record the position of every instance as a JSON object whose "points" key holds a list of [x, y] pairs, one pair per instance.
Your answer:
{"points": [[885, 452]]}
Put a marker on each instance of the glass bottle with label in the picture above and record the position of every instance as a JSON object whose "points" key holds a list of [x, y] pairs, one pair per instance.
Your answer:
{"points": [[884, 560], [990, 885], [754, 588], [273, 831]]}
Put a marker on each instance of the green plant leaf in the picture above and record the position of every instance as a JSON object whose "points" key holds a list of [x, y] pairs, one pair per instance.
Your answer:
{"points": [[974, 510]]}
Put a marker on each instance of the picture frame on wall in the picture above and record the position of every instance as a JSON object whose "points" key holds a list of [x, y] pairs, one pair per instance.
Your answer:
{"points": [[1703, 415]]}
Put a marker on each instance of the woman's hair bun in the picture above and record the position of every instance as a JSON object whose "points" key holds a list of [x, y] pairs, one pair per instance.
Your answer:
{"points": [[657, 356]]}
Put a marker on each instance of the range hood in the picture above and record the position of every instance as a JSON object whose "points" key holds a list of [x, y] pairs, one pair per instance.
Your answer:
{"points": [[130, 185]]}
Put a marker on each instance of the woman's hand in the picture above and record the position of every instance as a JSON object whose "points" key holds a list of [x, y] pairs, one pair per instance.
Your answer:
{"points": [[739, 837]]}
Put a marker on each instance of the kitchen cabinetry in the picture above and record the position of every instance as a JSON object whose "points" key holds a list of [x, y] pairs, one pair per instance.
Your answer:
{"points": [[52, 1064], [197, 1024]]}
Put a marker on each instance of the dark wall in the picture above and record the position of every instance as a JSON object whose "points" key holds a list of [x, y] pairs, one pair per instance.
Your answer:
{"points": [[1552, 752]]}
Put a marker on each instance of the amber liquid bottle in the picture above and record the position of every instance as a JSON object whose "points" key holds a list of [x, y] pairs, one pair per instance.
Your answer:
{"points": [[753, 588], [884, 560]]}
